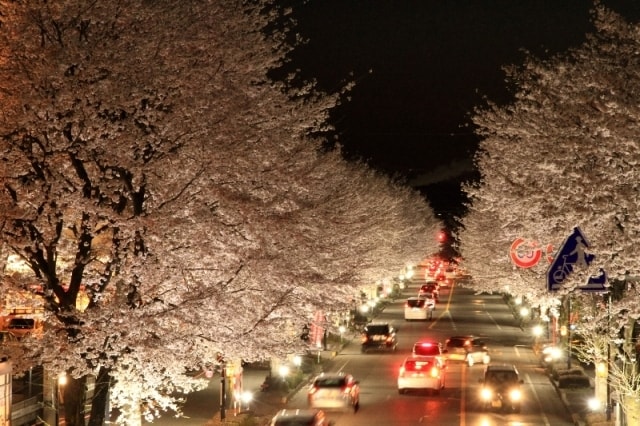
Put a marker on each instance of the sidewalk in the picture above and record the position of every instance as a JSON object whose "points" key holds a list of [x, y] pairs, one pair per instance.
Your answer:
{"points": [[575, 389], [576, 398], [266, 403]]}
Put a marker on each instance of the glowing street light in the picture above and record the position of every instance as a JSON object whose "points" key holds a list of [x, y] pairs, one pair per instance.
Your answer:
{"points": [[62, 379], [283, 371], [297, 361], [245, 398], [342, 329], [594, 404]]}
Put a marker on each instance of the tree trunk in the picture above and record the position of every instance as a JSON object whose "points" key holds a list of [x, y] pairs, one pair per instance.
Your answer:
{"points": [[100, 400], [73, 401], [631, 406]]}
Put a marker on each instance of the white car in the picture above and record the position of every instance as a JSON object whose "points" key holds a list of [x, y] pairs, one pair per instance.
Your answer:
{"points": [[419, 308], [418, 373], [334, 391], [301, 417], [470, 349]]}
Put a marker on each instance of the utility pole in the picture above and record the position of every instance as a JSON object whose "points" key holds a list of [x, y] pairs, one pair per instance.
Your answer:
{"points": [[223, 391], [569, 333], [609, 407]]}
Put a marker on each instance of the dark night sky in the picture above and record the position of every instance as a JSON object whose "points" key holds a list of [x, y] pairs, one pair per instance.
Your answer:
{"points": [[432, 62]]}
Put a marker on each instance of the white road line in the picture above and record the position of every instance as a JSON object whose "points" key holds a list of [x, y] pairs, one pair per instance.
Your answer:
{"points": [[535, 394], [494, 321], [343, 366]]}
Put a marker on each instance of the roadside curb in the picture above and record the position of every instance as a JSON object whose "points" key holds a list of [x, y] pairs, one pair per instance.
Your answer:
{"points": [[575, 417]]}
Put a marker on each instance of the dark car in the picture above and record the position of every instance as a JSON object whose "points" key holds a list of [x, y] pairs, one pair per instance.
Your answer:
{"points": [[501, 387], [379, 336], [21, 327], [469, 349]]}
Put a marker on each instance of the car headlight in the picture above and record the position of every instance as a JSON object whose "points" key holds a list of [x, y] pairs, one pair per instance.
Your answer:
{"points": [[515, 395], [486, 394]]}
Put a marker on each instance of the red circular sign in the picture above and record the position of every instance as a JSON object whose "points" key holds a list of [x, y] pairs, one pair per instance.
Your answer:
{"points": [[525, 255]]}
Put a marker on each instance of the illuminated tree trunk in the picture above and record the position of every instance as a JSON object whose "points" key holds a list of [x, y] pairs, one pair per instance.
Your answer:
{"points": [[631, 406], [100, 401], [73, 392]]}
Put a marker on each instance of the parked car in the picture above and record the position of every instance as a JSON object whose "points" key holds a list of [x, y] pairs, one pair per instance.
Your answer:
{"points": [[21, 327], [419, 308], [300, 417], [501, 387], [379, 336], [469, 349], [334, 391], [431, 287], [421, 372], [427, 348]]}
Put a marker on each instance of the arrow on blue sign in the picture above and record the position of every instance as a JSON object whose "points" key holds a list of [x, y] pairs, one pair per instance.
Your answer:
{"points": [[574, 253]]}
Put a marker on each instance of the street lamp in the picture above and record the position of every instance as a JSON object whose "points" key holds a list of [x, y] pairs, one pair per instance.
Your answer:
{"points": [[297, 361], [537, 332], [61, 383], [245, 398], [594, 404], [283, 370], [223, 389], [342, 329]]}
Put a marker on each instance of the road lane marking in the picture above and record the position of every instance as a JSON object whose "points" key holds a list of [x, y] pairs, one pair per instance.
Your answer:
{"points": [[340, 370], [491, 318], [463, 398], [535, 394], [445, 311]]}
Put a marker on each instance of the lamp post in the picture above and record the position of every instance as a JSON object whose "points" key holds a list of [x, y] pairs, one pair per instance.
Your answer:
{"points": [[569, 333], [537, 332], [60, 384], [223, 390], [608, 407], [246, 398]]}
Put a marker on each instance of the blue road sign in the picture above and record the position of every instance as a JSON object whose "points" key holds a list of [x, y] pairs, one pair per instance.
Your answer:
{"points": [[574, 253]]}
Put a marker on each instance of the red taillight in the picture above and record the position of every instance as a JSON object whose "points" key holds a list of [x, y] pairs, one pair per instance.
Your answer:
{"points": [[346, 389], [312, 390], [406, 304], [390, 339], [364, 338]]}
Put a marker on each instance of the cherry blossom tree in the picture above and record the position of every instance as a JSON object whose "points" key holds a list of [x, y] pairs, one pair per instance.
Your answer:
{"points": [[150, 167], [563, 154]]}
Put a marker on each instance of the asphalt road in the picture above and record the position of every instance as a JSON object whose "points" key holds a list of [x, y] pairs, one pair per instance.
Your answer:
{"points": [[459, 312]]}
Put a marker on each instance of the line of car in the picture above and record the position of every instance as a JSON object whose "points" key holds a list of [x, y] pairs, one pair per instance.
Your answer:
{"points": [[424, 370], [421, 307]]}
